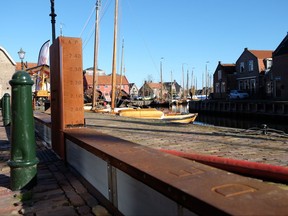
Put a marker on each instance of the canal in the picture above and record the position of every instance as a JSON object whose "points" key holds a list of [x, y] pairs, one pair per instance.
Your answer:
{"points": [[234, 122]]}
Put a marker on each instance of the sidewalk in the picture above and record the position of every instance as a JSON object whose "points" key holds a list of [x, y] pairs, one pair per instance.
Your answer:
{"points": [[58, 191]]}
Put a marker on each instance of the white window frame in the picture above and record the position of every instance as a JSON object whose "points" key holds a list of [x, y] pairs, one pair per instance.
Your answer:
{"points": [[219, 74], [251, 65], [242, 67]]}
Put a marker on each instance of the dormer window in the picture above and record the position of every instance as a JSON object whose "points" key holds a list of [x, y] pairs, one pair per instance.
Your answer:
{"points": [[219, 74], [268, 63], [242, 67], [250, 65]]}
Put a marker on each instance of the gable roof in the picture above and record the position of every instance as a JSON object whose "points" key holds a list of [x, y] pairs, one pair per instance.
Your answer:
{"points": [[8, 56], [261, 55], [154, 85], [29, 64], [282, 48]]}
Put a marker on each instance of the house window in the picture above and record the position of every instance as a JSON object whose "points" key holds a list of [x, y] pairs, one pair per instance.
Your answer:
{"points": [[241, 85], [250, 65], [217, 88], [223, 89], [268, 63], [219, 74], [242, 67], [106, 86], [246, 84], [253, 84]]}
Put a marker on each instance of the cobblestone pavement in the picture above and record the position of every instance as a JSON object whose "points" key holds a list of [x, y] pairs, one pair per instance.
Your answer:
{"points": [[58, 191], [239, 144]]}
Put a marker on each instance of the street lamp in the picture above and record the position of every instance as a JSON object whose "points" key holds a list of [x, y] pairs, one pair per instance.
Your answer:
{"points": [[206, 78], [21, 54]]}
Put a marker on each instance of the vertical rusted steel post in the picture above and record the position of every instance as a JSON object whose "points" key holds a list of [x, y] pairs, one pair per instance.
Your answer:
{"points": [[6, 110], [23, 161]]}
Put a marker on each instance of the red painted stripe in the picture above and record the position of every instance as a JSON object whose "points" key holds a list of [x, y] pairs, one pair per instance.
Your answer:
{"points": [[248, 168]]}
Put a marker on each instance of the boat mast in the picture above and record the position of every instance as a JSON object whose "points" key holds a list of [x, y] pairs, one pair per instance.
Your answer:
{"points": [[161, 81], [171, 90], [95, 65], [121, 67], [114, 57]]}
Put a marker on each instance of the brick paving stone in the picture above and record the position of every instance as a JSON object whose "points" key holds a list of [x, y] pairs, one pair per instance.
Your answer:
{"points": [[48, 194], [83, 210], [76, 184], [89, 199], [43, 188], [54, 194], [60, 210], [192, 138], [52, 167], [65, 185], [75, 199], [59, 176]]}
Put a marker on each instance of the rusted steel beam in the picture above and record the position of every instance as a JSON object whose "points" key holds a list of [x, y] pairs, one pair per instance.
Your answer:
{"points": [[200, 188]]}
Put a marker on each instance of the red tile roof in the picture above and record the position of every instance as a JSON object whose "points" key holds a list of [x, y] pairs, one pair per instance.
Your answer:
{"points": [[154, 85], [106, 80], [29, 65], [262, 54]]}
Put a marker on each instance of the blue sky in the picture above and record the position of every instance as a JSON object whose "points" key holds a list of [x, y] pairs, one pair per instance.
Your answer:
{"points": [[184, 33]]}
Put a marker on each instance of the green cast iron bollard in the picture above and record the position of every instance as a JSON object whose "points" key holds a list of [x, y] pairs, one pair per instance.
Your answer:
{"points": [[6, 110], [23, 161]]}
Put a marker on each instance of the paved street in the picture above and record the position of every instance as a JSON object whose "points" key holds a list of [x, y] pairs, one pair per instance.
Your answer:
{"points": [[218, 141], [58, 191]]}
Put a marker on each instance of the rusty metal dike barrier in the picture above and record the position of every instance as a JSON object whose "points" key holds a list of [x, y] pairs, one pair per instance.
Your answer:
{"points": [[278, 109], [132, 179]]}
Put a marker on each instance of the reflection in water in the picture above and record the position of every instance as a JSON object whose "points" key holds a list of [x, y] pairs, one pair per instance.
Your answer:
{"points": [[233, 122]]}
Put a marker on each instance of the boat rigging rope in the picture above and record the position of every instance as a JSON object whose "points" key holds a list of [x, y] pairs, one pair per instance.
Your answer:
{"points": [[87, 21], [92, 30], [141, 35]]}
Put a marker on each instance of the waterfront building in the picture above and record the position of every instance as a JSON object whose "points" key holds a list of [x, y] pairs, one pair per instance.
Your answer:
{"points": [[277, 77], [104, 83], [224, 80], [133, 90], [153, 90]]}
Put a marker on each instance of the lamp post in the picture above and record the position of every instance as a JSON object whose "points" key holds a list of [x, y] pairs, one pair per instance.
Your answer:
{"points": [[53, 21], [161, 81], [206, 78], [21, 54]]}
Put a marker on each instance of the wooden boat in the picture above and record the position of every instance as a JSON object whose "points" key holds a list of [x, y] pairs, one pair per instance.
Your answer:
{"points": [[180, 118], [115, 110], [151, 113]]}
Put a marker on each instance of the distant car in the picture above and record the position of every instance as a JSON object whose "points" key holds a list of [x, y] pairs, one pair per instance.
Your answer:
{"points": [[238, 94]]}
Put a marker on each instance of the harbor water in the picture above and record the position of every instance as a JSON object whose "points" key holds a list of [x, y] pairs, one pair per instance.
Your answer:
{"points": [[233, 122]]}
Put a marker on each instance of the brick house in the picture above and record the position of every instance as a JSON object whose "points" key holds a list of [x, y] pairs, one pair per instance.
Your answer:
{"points": [[224, 80], [104, 82], [150, 89], [277, 77], [153, 90], [7, 69], [133, 90], [251, 67]]}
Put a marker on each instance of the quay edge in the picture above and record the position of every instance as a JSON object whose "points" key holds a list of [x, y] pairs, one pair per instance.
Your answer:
{"points": [[268, 109]]}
